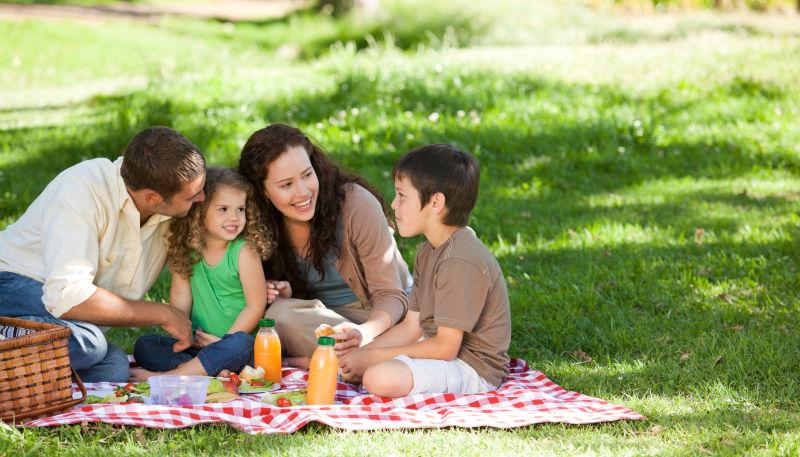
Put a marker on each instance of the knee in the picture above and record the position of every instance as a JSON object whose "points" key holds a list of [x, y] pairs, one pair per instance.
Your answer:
{"points": [[295, 315], [383, 380], [143, 347], [118, 368], [280, 310], [88, 345], [240, 341]]}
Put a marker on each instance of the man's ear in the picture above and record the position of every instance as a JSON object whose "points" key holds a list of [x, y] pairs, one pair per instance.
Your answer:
{"points": [[438, 203], [152, 198]]}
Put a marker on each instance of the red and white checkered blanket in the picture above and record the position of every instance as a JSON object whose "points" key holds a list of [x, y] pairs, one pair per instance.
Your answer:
{"points": [[526, 397]]}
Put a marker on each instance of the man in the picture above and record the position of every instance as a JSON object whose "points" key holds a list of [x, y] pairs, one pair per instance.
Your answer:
{"points": [[93, 242]]}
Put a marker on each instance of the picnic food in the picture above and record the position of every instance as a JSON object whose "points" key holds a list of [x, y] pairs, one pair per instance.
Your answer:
{"points": [[283, 399], [220, 397], [248, 373], [252, 380], [228, 385], [267, 350], [323, 330], [113, 398], [322, 373], [141, 388]]}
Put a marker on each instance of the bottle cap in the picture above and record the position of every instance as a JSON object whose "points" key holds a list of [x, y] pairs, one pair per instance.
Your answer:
{"points": [[266, 323], [326, 341]]}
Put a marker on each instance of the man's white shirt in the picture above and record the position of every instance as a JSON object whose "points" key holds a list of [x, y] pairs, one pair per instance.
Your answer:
{"points": [[82, 232]]}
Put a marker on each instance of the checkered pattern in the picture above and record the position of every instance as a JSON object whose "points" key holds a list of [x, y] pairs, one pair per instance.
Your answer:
{"points": [[526, 397]]}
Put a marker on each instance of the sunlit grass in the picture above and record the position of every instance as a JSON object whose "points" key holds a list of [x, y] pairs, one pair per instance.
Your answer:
{"points": [[640, 180]]}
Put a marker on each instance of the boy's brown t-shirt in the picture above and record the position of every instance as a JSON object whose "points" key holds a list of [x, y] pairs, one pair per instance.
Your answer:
{"points": [[460, 285]]}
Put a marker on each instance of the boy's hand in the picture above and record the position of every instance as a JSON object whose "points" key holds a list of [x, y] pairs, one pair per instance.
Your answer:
{"points": [[348, 337], [277, 289], [203, 339], [355, 363]]}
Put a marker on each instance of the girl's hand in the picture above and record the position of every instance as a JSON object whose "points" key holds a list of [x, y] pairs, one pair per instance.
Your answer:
{"points": [[348, 337], [203, 339], [277, 289]]}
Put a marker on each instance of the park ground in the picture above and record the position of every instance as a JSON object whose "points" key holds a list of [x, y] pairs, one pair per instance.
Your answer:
{"points": [[640, 188]]}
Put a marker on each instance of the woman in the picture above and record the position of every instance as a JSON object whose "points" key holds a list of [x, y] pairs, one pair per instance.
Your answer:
{"points": [[334, 245]]}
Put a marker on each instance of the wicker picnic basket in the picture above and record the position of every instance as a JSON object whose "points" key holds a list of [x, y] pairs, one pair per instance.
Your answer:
{"points": [[35, 373]]}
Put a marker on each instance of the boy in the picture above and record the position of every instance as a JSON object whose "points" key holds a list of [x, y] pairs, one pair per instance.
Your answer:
{"points": [[456, 333]]}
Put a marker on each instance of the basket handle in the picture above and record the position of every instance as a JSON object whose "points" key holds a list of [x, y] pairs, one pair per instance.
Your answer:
{"points": [[77, 380]]}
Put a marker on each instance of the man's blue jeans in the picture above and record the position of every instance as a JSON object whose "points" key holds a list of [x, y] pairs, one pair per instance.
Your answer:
{"points": [[90, 353], [232, 352]]}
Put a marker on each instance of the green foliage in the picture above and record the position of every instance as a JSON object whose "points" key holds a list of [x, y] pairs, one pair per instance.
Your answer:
{"points": [[756, 5], [67, 2], [642, 199]]}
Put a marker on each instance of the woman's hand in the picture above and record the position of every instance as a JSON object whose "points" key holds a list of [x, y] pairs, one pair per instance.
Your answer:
{"points": [[348, 336], [277, 289], [203, 339]]}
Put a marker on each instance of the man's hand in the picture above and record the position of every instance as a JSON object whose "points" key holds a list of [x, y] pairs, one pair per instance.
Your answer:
{"points": [[106, 308], [348, 337], [179, 326]]}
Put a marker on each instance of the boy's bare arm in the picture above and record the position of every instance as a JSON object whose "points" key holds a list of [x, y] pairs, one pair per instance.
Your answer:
{"points": [[406, 332], [444, 346]]}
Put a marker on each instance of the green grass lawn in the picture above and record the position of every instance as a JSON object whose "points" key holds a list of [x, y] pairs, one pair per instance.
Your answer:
{"points": [[640, 188]]}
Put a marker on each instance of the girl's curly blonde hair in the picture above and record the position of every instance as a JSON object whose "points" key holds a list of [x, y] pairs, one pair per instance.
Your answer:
{"points": [[187, 235]]}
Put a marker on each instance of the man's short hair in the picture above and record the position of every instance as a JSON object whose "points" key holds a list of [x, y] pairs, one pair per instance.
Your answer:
{"points": [[161, 159], [442, 168]]}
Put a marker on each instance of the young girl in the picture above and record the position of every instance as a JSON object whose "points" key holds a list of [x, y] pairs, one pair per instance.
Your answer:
{"points": [[215, 256]]}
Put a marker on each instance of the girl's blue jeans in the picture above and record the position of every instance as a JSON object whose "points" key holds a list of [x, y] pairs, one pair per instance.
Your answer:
{"points": [[232, 352]]}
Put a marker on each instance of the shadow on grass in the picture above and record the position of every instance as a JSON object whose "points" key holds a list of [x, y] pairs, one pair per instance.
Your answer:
{"points": [[640, 306], [708, 321], [40, 153]]}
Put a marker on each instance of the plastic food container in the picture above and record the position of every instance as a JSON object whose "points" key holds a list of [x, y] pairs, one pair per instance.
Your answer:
{"points": [[178, 390]]}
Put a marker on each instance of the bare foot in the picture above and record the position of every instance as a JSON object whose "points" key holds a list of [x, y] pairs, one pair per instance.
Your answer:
{"points": [[140, 374], [299, 362]]}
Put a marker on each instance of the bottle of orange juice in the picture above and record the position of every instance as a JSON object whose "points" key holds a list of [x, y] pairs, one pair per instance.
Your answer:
{"points": [[322, 373], [267, 350]]}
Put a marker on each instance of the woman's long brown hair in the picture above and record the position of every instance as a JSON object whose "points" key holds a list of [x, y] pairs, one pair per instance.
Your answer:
{"points": [[262, 148]]}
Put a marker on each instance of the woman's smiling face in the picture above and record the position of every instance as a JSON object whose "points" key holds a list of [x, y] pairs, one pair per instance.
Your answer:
{"points": [[292, 185]]}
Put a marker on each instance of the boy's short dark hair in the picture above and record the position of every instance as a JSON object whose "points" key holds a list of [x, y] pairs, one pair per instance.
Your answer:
{"points": [[442, 168], [161, 159]]}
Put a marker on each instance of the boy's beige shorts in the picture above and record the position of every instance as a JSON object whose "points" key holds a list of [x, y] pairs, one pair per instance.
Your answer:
{"points": [[296, 319]]}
